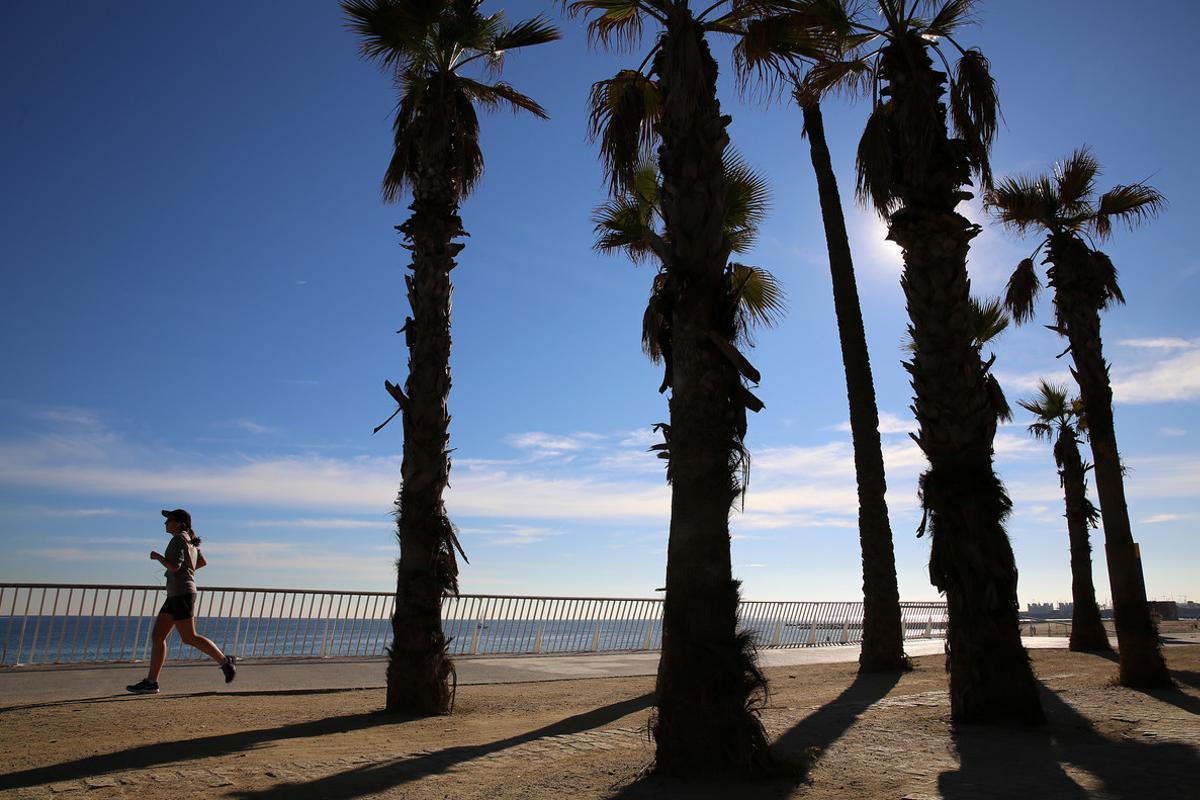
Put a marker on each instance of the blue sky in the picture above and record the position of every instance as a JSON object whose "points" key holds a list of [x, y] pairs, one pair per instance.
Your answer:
{"points": [[201, 289]]}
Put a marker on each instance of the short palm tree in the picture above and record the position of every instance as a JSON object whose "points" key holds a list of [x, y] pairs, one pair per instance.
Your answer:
{"points": [[1063, 208], [1058, 419], [914, 173], [708, 685], [428, 46]]}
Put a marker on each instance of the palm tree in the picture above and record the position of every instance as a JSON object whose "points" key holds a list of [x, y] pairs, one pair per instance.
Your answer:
{"points": [[883, 637], [427, 45], [914, 174], [1065, 210], [1060, 419], [708, 686]]}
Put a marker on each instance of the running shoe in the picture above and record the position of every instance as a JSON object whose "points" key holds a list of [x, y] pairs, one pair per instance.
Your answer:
{"points": [[143, 686], [228, 666]]}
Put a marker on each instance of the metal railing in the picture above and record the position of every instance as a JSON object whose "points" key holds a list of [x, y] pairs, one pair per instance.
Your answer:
{"points": [[45, 623]]}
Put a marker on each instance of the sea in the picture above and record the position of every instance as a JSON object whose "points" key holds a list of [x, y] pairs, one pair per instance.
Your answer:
{"points": [[77, 639]]}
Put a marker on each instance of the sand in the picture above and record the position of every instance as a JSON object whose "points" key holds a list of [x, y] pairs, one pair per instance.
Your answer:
{"points": [[880, 737]]}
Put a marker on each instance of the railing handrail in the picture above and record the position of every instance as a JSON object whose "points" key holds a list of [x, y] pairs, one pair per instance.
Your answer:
{"points": [[106, 623], [358, 592]]}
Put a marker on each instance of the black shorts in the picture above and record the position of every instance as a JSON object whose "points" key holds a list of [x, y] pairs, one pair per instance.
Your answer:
{"points": [[180, 606]]}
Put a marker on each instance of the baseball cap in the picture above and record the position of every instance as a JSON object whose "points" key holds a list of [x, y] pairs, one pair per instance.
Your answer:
{"points": [[180, 515]]}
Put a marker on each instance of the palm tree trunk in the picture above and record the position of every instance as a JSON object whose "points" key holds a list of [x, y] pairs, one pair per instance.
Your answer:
{"points": [[971, 559], [706, 677], [1087, 629], [1142, 663], [419, 671], [883, 638]]}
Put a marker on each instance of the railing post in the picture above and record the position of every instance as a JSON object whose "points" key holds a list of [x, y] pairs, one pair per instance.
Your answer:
{"points": [[595, 636], [812, 633], [929, 628], [777, 634], [846, 631]]}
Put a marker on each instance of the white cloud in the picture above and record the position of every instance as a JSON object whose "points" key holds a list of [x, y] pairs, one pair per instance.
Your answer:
{"points": [[250, 426], [545, 445], [70, 416], [320, 524], [1156, 518], [1176, 378], [888, 423], [1163, 343], [1172, 431]]}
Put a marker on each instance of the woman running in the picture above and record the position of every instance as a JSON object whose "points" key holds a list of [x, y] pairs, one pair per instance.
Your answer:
{"points": [[182, 559]]}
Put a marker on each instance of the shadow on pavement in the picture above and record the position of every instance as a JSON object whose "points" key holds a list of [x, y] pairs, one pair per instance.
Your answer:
{"points": [[374, 778], [153, 755], [126, 697], [794, 750], [1004, 762]]}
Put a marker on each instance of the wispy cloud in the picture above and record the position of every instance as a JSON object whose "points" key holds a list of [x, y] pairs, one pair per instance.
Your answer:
{"points": [[320, 524], [1162, 343], [250, 426], [70, 416], [1172, 379], [1172, 431], [546, 445], [1156, 518], [888, 423]]}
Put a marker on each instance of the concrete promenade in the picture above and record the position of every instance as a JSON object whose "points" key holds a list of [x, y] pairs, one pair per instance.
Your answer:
{"points": [[22, 686]]}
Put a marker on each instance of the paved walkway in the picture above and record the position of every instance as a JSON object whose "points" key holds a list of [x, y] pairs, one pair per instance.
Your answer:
{"points": [[35, 685]]}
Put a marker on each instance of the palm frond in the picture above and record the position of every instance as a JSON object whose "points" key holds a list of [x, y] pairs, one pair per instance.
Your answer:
{"points": [[1106, 274], [615, 24], [1132, 204], [759, 295], [623, 110], [852, 78], [402, 165], [1039, 430], [538, 30], [748, 201], [989, 319], [1076, 179], [1021, 292], [950, 17], [874, 163], [391, 31], [997, 400], [624, 224], [1050, 404], [493, 96], [1022, 203], [974, 109], [466, 156], [656, 322], [768, 45]]}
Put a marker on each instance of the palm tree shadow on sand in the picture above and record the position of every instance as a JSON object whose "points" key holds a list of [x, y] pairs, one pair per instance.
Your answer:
{"points": [[1020, 761], [379, 777], [795, 750]]}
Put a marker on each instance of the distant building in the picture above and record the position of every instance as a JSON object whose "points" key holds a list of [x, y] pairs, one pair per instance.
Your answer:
{"points": [[1164, 609]]}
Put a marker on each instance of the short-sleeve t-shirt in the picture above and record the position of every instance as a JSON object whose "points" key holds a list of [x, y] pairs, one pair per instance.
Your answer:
{"points": [[181, 553]]}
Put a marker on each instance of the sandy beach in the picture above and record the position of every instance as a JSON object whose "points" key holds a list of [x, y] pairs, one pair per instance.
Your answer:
{"points": [[878, 737]]}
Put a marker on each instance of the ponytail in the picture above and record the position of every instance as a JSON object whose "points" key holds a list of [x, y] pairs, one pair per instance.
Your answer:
{"points": [[192, 533]]}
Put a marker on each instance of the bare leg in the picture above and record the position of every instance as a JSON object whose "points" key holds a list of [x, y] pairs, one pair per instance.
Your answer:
{"points": [[158, 645], [187, 632]]}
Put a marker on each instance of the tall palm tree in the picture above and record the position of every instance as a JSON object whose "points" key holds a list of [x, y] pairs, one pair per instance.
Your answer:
{"points": [[428, 46], [708, 686], [1059, 419], [1065, 210], [915, 174], [883, 637]]}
